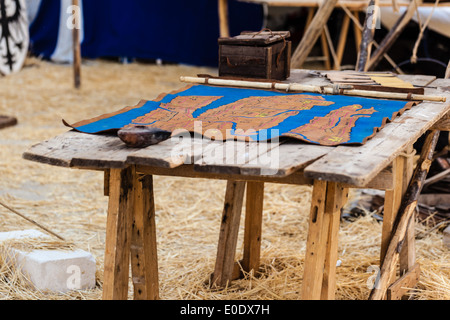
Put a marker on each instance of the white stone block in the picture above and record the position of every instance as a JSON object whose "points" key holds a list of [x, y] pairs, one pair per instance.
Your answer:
{"points": [[52, 270]]}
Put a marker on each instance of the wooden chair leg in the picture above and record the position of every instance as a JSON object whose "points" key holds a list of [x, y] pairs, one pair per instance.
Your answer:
{"points": [[144, 258], [117, 247], [226, 249], [321, 246]]}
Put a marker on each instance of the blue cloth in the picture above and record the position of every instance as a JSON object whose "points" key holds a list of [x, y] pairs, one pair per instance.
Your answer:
{"points": [[176, 31]]}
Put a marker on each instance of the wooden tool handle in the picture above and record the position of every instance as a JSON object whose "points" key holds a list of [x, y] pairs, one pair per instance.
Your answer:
{"points": [[292, 87]]}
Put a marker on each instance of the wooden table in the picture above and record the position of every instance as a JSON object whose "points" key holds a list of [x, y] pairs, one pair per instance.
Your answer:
{"points": [[383, 163]]}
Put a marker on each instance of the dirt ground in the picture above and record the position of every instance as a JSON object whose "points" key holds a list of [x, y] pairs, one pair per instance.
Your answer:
{"points": [[71, 202]]}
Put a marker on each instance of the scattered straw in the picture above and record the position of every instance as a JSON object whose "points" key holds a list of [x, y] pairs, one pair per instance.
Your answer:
{"points": [[71, 202]]}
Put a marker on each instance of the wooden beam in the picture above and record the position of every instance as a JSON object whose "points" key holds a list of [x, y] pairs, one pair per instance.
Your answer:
{"points": [[400, 287], [406, 211], [312, 33]]}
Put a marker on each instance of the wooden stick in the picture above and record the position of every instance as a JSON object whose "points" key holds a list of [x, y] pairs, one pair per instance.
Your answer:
{"points": [[292, 87], [404, 216], [312, 33], [422, 29], [437, 177], [76, 51], [32, 221]]}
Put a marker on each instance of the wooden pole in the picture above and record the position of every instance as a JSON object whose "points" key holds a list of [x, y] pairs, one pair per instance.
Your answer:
{"points": [[404, 216], [312, 33], [76, 49], [223, 19], [367, 36], [294, 87]]}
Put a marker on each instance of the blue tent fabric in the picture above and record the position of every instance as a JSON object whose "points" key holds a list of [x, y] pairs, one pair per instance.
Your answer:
{"points": [[44, 29], [175, 31]]}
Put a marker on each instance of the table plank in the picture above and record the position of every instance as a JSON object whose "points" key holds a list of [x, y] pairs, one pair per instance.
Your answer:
{"points": [[170, 153], [60, 150], [88, 151], [359, 165], [108, 153], [417, 80], [230, 156], [285, 159]]}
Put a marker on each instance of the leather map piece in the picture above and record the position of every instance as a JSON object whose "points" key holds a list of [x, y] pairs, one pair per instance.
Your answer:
{"points": [[223, 113]]}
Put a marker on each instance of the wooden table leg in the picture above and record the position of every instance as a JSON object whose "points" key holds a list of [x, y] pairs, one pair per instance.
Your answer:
{"points": [[144, 258], [253, 226], [337, 197], [321, 246], [408, 253], [403, 170], [117, 247], [229, 229]]}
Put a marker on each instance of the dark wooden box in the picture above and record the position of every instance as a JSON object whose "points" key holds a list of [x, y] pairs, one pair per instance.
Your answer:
{"points": [[260, 55]]}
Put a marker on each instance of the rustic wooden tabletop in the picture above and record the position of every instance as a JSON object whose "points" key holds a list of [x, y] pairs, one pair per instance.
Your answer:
{"points": [[353, 165]]}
